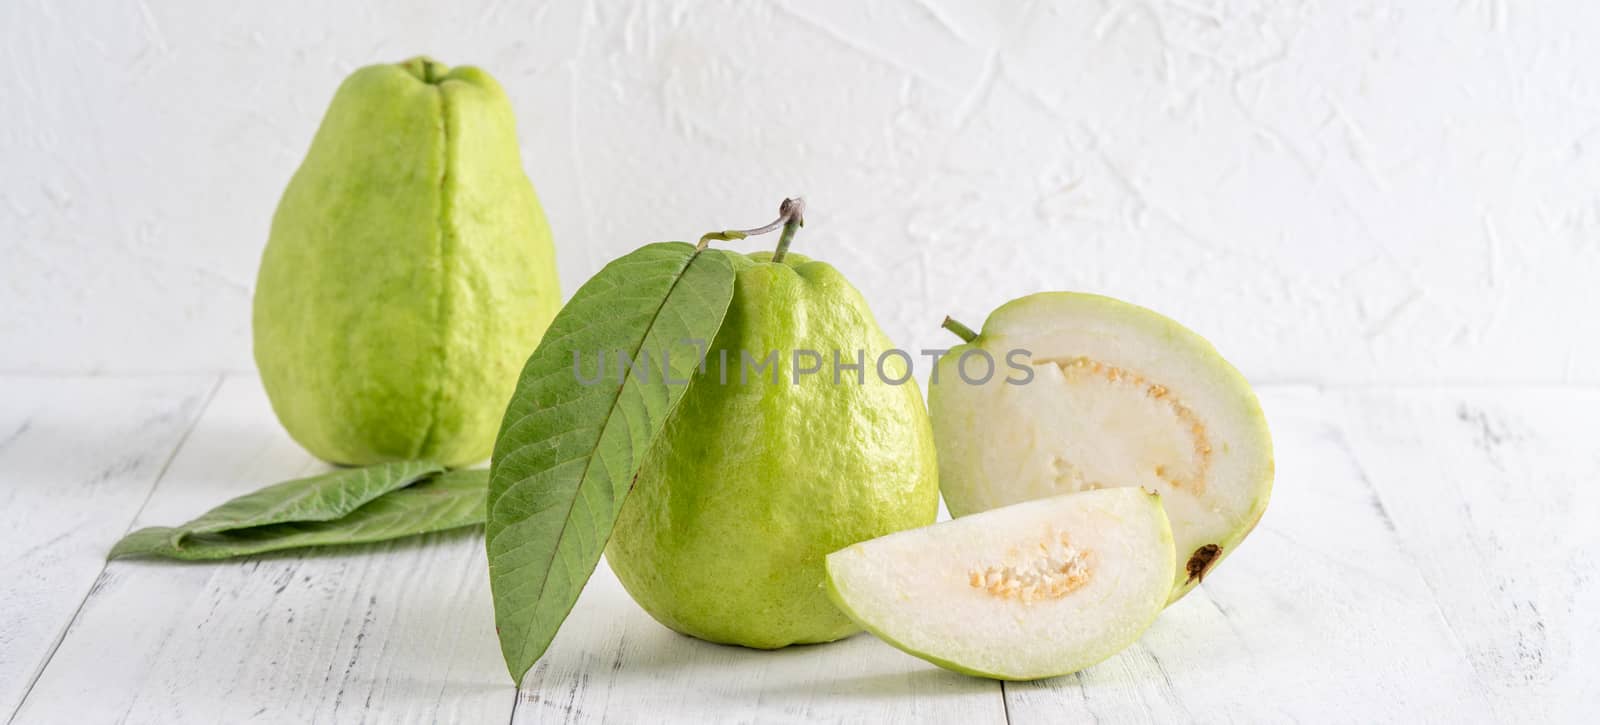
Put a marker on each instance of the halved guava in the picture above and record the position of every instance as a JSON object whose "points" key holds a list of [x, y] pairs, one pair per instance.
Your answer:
{"points": [[1115, 396], [1033, 590]]}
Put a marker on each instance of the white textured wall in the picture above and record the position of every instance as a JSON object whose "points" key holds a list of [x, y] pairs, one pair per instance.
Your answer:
{"points": [[1331, 191]]}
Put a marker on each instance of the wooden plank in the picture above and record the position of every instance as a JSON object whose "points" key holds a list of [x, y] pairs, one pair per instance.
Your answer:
{"points": [[612, 662], [1322, 614], [78, 457], [393, 632], [1496, 495], [1427, 556]]}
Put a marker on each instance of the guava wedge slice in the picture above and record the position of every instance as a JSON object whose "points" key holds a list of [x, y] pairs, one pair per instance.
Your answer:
{"points": [[1090, 392], [1027, 591]]}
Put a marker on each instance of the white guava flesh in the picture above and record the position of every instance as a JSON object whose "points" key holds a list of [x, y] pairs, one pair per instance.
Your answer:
{"points": [[1033, 590], [1120, 396]]}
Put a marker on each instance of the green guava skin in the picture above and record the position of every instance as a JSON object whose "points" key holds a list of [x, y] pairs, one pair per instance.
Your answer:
{"points": [[409, 271], [751, 485]]}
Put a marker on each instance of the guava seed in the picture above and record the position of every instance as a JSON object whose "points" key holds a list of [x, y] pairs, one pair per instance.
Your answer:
{"points": [[1056, 571]]}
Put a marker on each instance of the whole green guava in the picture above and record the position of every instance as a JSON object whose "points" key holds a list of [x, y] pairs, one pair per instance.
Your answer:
{"points": [[408, 274], [753, 482]]}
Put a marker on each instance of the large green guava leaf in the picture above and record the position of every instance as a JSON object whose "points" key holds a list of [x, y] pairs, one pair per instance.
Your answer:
{"points": [[579, 425], [439, 502]]}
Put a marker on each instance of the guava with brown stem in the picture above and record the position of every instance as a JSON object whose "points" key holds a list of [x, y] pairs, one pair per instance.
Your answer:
{"points": [[762, 470]]}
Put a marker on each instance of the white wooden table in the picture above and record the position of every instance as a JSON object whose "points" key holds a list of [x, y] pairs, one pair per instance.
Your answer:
{"points": [[1429, 555]]}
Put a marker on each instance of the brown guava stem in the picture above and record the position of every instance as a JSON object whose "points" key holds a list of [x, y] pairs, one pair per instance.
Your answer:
{"points": [[793, 212], [962, 331], [789, 213]]}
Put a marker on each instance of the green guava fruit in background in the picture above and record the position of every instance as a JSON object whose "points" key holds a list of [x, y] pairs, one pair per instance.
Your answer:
{"points": [[1120, 396], [408, 274], [752, 483], [1027, 591]]}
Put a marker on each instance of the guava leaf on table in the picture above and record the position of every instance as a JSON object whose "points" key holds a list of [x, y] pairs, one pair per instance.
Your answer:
{"points": [[323, 498], [579, 425], [440, 501]]}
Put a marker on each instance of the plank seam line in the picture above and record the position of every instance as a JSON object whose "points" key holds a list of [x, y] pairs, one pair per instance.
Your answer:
{"points": [[165, 466], [1344, 445], [1005, 702]]}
